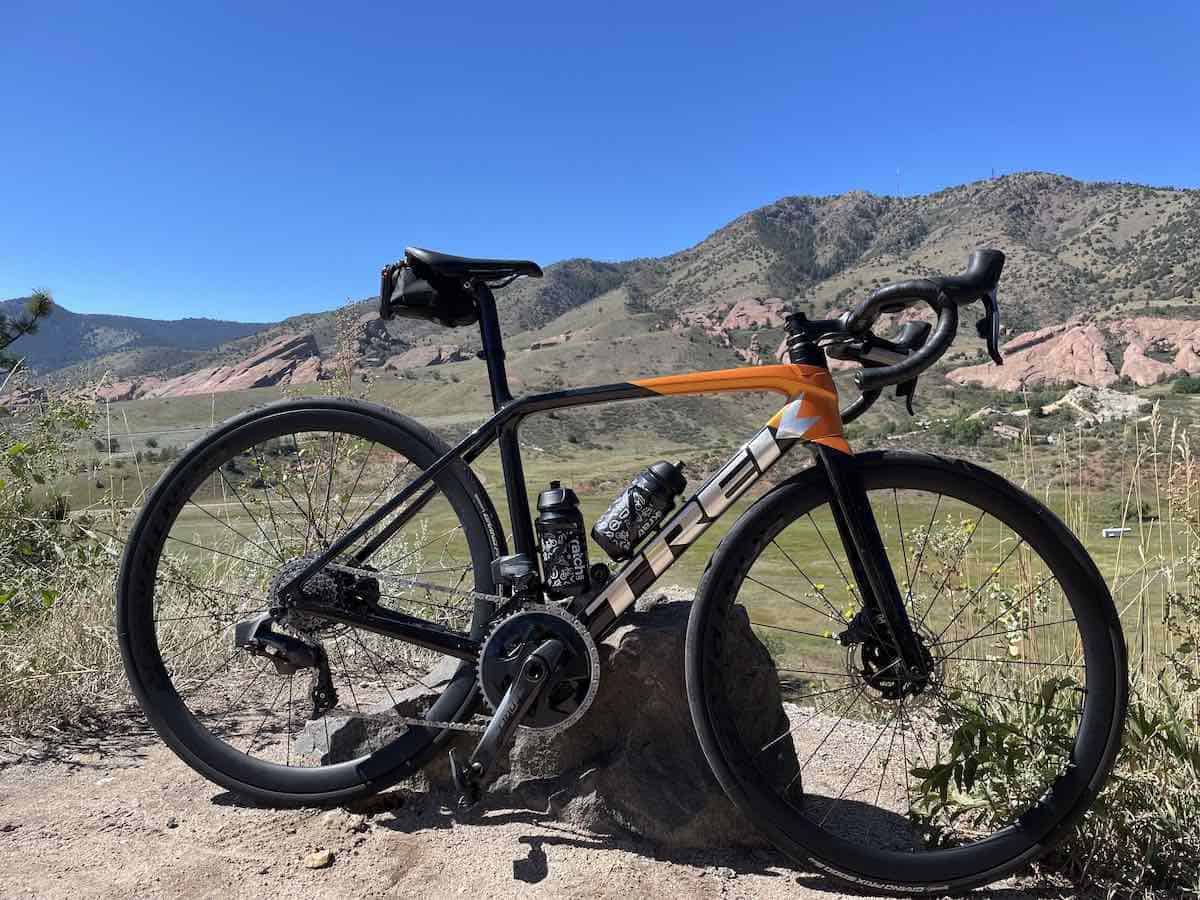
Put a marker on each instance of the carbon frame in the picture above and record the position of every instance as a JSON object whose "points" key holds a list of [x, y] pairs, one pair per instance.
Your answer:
{"points": [[747, 465]]}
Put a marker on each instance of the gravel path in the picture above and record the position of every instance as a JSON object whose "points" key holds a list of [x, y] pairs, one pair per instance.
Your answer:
{"points": [[120, 816]]}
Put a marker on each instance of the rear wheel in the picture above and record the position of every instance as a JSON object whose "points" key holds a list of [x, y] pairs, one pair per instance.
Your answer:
{"points": [[258, 497], [910, 787]]}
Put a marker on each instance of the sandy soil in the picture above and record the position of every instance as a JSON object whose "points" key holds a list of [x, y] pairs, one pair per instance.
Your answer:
{"points": [[119, 816]]}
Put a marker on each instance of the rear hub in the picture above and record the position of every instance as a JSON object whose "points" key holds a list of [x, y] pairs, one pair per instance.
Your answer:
{"points": [[334, 588]]}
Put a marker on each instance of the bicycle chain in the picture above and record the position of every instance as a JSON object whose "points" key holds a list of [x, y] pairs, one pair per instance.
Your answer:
{"points": [[417, 583], [386, 719]]}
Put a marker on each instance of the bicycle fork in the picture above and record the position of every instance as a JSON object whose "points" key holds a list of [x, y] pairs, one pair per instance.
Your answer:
{"points": [[883, 616]]}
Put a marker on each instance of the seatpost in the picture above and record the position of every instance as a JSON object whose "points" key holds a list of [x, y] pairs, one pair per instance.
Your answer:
{"points": [[493, 344]]}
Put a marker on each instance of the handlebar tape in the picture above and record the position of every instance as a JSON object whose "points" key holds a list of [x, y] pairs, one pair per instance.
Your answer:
{"points": [[936, 344]]}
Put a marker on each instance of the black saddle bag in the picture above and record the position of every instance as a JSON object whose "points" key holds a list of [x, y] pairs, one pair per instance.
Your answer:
{"points": [[411, 290]]}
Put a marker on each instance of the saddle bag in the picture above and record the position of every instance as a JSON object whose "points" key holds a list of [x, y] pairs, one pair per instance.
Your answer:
{"points": [[410, 289]]}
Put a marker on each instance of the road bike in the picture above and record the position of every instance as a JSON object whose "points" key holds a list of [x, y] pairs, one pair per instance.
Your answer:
{"points": [[871, 641]]}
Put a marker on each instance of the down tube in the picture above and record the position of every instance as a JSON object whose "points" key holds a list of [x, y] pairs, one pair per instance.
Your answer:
{"points": [[752, 460]]}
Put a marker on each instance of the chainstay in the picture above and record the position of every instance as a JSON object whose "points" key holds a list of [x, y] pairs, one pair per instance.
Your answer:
{"points": [[416, 721]]}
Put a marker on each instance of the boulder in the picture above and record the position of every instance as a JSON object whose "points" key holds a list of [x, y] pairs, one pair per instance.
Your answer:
{"points": [[632, 764]]}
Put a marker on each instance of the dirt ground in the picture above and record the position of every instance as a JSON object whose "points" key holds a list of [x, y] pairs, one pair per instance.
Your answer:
{"points": [[117, 815]]}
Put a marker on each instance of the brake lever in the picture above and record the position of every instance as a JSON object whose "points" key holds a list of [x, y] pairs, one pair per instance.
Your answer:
{"points": [[907, 390], [988, 327]]}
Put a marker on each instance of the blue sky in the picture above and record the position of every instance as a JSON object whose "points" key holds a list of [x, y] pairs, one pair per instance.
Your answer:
{"points": [[256, 160]]}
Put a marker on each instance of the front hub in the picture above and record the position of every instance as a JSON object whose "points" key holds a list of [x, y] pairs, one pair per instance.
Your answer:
{"points": [[874, 660]]}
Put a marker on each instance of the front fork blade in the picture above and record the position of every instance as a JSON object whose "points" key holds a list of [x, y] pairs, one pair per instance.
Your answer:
{"points": [[868, 558]]}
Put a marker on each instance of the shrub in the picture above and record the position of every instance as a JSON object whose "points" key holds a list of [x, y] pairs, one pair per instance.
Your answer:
{"points": [[963, 430]]}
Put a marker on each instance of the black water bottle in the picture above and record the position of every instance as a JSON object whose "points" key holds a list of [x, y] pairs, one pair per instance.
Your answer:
{"points": [[639, 509], [561, 533]]}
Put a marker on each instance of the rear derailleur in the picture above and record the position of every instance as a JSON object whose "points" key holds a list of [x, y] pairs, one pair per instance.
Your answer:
{"points": [[289, 655]]}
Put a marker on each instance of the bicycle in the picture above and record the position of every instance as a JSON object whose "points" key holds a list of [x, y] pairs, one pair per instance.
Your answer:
{"points": [[342, 542]]}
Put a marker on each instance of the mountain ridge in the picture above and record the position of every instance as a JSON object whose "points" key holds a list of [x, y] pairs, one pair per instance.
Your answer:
{"points": [[1075, 249]]}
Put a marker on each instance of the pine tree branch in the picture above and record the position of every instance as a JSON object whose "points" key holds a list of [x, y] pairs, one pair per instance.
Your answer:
{"points": [[39, 305]]}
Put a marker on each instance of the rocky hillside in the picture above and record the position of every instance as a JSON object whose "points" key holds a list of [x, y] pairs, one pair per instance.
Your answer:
{"points": [[1086, 261], [68, 338], [1073, 247]]}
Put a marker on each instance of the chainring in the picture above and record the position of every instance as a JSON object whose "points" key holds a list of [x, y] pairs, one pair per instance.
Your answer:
{"points": [[572, 686]]}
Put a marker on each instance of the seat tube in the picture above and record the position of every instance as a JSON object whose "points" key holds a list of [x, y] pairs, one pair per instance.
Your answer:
{"points": [[509, 443], [867, 555]]}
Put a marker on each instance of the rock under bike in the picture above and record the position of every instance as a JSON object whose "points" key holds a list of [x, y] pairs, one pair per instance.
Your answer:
{"points": [[914, 617]]}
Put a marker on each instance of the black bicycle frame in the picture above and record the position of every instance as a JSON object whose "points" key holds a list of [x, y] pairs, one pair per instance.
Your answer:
{"points": [[852, 512]]}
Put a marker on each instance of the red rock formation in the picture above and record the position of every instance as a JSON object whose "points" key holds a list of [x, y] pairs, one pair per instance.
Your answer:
{"points": [[754, 313], [273, 364], [1073, 356], [1142, 369], [117, 391], [1030, 338], [419, 357]]}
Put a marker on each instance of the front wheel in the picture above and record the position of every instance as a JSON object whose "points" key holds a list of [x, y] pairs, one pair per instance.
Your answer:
{"points": [[910, 787]]}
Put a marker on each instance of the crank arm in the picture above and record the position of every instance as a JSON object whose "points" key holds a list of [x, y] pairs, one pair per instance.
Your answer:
{"points": [[398, 625], [520, 696]]}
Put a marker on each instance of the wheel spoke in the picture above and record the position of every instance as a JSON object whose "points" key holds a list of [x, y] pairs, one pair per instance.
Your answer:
{"points": [[787, 596], [812, 584], [824, 637]]}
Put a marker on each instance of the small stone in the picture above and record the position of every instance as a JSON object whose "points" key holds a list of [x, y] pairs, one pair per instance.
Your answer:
{"points": [[172, 822], [319, 859]]}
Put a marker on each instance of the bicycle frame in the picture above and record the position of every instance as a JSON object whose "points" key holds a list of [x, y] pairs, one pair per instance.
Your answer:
{"points": [[811, 416]]}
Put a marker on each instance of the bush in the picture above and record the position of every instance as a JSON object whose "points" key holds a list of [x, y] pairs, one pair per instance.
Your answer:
{"points": [[963, 430], [1186, 384], [55, 579]]}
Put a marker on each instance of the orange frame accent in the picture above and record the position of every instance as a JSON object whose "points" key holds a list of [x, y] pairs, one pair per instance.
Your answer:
{"points": [[812, 385]]}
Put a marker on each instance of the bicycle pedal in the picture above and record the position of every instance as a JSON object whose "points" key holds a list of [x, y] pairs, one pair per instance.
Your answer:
{"points": [[465, 782]]}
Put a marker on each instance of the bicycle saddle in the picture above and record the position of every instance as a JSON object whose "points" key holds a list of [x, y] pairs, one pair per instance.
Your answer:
{"points": [[462, 267]]}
